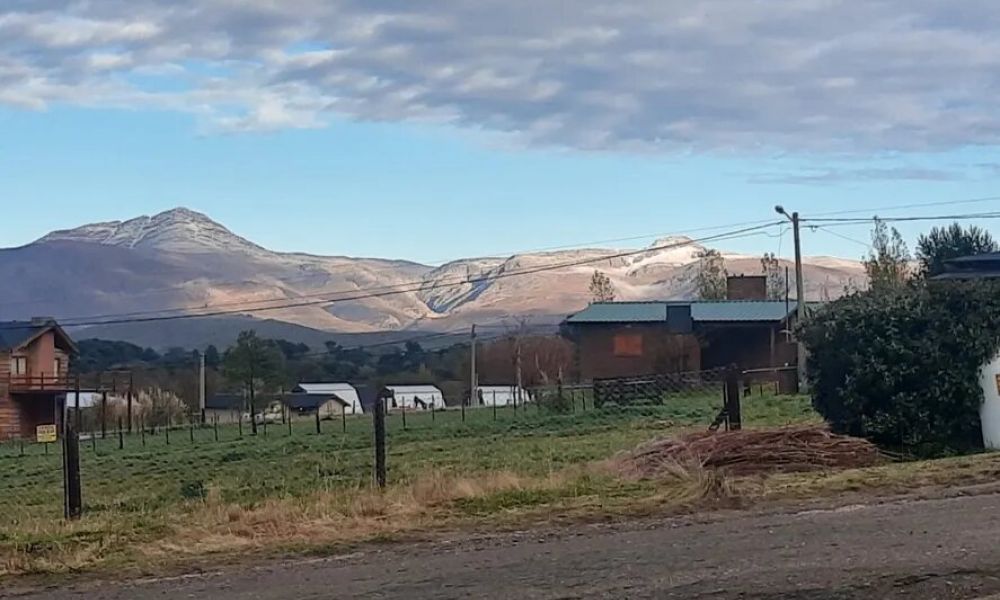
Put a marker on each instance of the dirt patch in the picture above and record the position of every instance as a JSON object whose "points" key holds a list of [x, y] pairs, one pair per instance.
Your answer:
{"points": [[748, 452]]}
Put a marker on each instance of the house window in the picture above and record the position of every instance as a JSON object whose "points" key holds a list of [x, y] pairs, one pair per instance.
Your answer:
{"points": [[19, 365], [57, 366], [628, 344]]}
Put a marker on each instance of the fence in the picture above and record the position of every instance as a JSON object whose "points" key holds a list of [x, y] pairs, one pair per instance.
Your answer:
{"points": [[191, 455]]}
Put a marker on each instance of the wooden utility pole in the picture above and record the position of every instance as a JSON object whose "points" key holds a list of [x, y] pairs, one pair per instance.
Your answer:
{"points": [[800, 303]]}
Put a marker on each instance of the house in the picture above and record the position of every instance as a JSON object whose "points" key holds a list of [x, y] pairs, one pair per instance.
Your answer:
{"points": [[418, 397], [34, 375], [502, 395], [328, 406], [225, 408], [345, 392], [980, 266], [627, 339]]}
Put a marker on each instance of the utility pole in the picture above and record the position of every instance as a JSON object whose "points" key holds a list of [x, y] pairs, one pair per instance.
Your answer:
{"points": [[473, 377], [800, 294], [201, 386]]}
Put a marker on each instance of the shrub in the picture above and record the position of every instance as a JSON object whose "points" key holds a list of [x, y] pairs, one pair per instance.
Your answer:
{"points": [[901, 366]]}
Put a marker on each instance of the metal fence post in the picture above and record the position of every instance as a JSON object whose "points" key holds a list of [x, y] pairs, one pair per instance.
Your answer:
{"points": [[319, 427], [215, 426], [121, 436], [343, 419]]}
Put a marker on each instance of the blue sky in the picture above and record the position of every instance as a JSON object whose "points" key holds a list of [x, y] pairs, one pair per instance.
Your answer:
{"points": [[472, 129]]}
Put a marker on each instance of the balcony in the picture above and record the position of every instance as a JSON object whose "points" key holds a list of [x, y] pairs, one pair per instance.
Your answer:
{"points": [[38, 383]]}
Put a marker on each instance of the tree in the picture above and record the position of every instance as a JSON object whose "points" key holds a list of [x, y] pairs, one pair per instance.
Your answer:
{"points": [[887, 264], [901, 366], [945, 243], [710, 279], [212, 358], [775, 276], [255, 363], [601, 288]]}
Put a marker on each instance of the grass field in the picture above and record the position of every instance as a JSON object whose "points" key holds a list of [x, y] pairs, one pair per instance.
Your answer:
{"points": [[157, 502]]}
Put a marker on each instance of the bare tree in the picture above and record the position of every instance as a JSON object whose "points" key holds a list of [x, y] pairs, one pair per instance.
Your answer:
{"points": [[710, 280], [775, 276], [601, 288]]}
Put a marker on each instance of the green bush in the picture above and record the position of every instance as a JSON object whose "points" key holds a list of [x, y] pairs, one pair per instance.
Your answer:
{"points": [[901, 367]]}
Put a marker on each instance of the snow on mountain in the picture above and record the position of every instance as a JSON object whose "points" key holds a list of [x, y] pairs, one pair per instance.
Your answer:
{"points": [[182, 258]]}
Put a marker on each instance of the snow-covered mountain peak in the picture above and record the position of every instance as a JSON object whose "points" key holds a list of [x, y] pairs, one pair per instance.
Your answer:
{"points": [[176, 230]]}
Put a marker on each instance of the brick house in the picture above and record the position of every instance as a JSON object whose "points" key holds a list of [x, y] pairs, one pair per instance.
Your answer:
{"points": [[34, 373]]}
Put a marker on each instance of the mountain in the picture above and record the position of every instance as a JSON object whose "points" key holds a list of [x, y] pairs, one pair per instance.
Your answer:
{"points": [[183, 259]]}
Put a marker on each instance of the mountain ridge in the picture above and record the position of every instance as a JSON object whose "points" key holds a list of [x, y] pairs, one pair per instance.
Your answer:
{"points": [[182, 258]]}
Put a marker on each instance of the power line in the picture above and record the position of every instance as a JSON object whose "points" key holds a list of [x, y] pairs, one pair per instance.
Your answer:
{"points": [[404, 288], [843, 237], [909, 206], [958, 217]]}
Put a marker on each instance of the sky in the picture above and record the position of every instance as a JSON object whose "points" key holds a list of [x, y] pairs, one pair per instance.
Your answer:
{"points": [[432, 131]]}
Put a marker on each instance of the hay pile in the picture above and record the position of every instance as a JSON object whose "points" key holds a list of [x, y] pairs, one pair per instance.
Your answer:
{"points": [[747, 452]]}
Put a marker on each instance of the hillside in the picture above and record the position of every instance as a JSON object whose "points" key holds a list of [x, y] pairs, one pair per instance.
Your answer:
{"points": [[183, 259]]}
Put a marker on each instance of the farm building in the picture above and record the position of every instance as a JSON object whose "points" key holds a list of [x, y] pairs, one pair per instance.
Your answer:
{"points": [[328, 406], [225, 408], [34, 367], [347, 393], [418, 397], [626, 339], [502, 395]]}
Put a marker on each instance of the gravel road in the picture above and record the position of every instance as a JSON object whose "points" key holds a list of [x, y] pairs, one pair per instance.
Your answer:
{"points": [[944, 548]]}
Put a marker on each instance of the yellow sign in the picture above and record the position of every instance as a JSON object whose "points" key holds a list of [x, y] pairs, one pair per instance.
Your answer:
{"points": [[45, 433]]}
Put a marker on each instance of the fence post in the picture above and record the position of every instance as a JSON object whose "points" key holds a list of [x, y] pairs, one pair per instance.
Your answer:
{"points": [[463, 406], [71, 472], [378, 426], [142, 430], [239, 424], [215, 426], [288, 419], [104, 415], [121, 436], [319, 427], [494, 405], [404, 416], [343, 418], [733, 408], [432, 411], [166, 432], [128, 409], [21, 441], [191, 428]]}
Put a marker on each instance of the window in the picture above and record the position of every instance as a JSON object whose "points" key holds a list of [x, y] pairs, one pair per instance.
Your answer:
{"points": [[628, 344], [19, 365], [58, 367]]}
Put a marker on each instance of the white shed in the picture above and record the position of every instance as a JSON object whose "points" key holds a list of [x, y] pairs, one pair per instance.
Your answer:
{"points": [[345, 391], [419, 397], [502, 395]]}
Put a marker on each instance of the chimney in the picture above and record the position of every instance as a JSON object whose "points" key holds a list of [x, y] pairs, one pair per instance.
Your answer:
{"points": [[744, 287]]}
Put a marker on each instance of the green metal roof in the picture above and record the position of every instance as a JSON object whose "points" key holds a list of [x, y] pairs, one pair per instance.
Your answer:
{"points": [[621, 312], [722, 311]]}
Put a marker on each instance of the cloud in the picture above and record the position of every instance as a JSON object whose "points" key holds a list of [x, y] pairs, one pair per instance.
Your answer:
{"points": [[849, 175], [805, 76]]}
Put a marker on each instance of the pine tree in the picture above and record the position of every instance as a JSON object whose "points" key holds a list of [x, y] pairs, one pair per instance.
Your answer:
{"points": [[945, 243]]}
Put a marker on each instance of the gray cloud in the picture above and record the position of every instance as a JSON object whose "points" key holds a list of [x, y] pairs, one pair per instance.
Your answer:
{"points": [[810, 76], [854, 175]]}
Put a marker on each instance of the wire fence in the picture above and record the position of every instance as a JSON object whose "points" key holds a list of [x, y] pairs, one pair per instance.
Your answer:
{"points": [[227, 452]]}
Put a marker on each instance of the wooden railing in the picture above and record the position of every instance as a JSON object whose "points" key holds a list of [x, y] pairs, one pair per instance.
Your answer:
{"points": [[38, 383]]}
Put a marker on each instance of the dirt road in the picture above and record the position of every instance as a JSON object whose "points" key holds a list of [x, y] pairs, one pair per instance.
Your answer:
{"points": [[948, 548]]}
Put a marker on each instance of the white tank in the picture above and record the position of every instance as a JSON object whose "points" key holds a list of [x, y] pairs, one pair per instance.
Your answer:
{"points": [[989, 412]]}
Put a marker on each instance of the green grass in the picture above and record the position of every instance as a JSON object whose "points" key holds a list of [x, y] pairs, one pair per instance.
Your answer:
{"points": [[141, 493]]}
